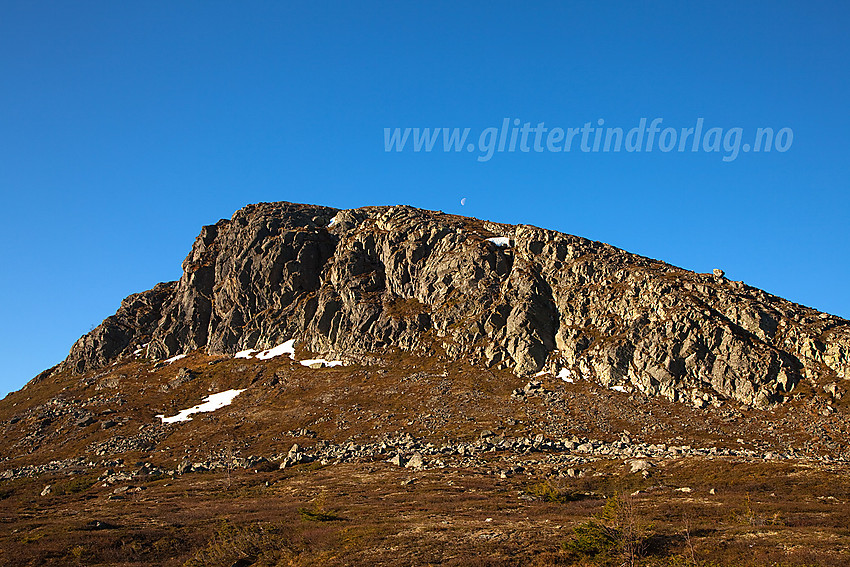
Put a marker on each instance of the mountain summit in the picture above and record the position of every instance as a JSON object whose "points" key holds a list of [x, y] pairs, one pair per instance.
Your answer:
{"points": [[391, 386], [352, 282]]}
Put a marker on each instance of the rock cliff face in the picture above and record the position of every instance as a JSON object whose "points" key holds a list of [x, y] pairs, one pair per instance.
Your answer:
{"points": [[349, 282]]}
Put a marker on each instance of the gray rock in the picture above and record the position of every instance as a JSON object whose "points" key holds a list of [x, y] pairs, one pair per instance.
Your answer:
{"points": [[416, 462], [428, 282], [85, 422], [639, 465], [833, 390]]}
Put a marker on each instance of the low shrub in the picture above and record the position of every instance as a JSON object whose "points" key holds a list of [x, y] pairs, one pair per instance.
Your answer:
{"points": [[546, 492], [261, 544]]}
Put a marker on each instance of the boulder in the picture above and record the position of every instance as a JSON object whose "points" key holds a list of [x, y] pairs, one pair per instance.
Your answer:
{"points": [[416, 462]]}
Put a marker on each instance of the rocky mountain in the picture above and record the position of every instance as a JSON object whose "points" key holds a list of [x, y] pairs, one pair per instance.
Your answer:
{"points": [[352, 282], [390, 386]]}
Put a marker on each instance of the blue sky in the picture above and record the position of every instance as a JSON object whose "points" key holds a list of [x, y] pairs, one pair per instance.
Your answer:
{"points": [[125, 127]]}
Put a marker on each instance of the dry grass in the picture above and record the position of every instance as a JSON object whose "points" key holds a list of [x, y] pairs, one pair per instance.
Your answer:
{"points": [[761, 512], [443, 517]]}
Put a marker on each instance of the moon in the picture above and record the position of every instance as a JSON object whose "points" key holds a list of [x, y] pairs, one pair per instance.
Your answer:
{"points": [[463, 201]]}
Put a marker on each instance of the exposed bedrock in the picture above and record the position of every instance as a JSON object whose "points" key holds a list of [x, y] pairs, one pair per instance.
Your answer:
{"points": [[350, 282]]}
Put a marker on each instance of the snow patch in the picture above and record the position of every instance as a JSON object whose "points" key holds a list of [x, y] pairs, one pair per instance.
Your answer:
{"points": [[565, 375], [619, 389], [211, 403], [333, 222], [500, 240], [285, 348], [174, 358], [541, 373]]}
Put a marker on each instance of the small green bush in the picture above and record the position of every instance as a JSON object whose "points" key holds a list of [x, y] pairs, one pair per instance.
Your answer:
{"points": [[547, 493], [591, 539], [318, 516], [78, 484], [616, 530]]}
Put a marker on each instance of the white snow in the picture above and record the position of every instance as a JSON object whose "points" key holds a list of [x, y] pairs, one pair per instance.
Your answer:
{"points": [[500, 240], [565, 375], [285, 348], [541, 373], [211, 403], [333, 222], [329, 363], [174, 358], [619, 389]]}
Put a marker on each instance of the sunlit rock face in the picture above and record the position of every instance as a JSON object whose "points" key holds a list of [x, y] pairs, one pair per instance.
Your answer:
{"points": [[364, 280]]}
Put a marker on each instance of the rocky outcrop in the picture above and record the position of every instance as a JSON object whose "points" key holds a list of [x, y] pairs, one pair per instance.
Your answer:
{"points": [[132, 324], [376, 278]]}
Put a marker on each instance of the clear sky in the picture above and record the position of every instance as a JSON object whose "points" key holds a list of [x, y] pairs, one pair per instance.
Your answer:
{"points": [[126, 126]]}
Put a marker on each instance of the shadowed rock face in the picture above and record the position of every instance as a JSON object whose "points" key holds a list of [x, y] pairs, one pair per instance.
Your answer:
{"points": [[357, 281]]}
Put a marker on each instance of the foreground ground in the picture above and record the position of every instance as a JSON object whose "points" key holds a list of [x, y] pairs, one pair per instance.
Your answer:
{"points": [[408, 461], [687, 512]]}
